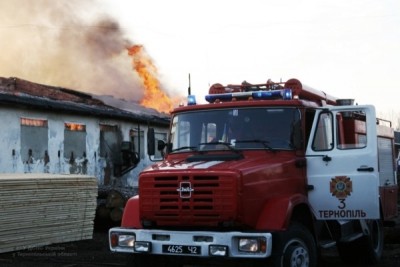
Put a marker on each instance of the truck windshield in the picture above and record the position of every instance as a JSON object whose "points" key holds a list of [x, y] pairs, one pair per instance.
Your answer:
{"points": [[239, 128]]}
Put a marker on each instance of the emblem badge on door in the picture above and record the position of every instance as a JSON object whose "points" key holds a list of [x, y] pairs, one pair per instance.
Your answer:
{"points": [[341, 187]]}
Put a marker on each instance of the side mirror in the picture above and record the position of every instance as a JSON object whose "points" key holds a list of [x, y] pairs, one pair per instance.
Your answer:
{"points": [[151, 147], [160, 145]]}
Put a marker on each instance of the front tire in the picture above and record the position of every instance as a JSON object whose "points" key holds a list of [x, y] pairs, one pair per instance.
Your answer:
{"points": [[294, 248], [367, 249]]}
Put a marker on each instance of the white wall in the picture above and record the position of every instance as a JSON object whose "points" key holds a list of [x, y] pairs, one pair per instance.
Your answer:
{"points": [[10, 139]]}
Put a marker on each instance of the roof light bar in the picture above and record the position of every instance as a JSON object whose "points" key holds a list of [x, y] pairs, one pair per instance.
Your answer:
{"points": [[220, 97], [285, 94]]}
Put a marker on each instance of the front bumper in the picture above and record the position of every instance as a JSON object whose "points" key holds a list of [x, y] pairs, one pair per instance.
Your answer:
{"points": [[188, 243]]}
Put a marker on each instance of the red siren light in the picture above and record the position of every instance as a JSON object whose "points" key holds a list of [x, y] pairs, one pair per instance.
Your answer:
{"points": [[308, 93]]}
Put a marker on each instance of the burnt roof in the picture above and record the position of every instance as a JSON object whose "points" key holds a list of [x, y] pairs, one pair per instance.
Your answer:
{"points": [[25, 94]]}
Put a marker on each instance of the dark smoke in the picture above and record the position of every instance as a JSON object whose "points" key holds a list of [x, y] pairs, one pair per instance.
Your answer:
{"points": [[67, 43]]}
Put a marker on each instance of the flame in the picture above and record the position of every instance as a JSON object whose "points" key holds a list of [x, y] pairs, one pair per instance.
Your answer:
{"points": [[75, 126], [153, 97]]}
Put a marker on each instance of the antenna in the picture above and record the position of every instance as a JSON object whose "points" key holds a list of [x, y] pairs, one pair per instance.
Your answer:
{"points": [[189, 86]]}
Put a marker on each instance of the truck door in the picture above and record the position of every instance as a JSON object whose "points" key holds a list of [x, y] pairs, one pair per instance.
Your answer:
{"points": [[342, 164]]}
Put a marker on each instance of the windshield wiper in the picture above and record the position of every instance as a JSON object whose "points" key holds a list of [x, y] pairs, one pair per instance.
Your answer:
{"points": [[263, 142], [185, 147]]}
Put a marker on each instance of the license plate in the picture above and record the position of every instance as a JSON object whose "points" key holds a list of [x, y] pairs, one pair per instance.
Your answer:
{"points": [[180, 249]]}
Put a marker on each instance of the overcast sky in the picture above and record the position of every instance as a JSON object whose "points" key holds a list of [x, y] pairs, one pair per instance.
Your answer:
{"points": [[348, 48]]}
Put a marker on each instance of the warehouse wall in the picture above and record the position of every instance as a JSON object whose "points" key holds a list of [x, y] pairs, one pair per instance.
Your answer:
{"points": [[41, 149]]}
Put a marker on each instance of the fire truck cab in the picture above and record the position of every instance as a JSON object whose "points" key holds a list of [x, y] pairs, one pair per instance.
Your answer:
{"points": [[264, 174]]}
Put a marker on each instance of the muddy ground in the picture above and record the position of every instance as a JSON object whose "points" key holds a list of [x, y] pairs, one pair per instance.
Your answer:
{"points": [[95, 252]]}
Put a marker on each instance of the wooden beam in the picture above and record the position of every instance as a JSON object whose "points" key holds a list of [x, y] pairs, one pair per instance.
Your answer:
{"points": [[43, 209]]}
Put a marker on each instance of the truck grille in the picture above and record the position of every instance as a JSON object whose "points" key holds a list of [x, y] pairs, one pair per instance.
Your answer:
{"points": [[188, 200]]}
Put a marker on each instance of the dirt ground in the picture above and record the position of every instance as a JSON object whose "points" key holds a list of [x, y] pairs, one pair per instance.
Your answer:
{"points": [[95, 252]]}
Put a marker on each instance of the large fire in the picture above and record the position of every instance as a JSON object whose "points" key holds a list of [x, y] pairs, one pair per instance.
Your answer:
{"points": [[153, 97]]}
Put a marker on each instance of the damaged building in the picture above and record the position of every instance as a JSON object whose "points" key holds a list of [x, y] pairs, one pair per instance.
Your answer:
{"points": [[49, 129]]}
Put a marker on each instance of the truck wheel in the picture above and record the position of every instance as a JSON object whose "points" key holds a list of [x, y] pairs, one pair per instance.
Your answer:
{"points": [[294, 248], [367, 249]]}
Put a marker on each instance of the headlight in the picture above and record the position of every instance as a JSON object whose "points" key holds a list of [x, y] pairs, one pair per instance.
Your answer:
{"points": [[252, 244], [126, 240]]}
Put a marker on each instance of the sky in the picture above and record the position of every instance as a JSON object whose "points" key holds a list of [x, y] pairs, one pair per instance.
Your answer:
{"points": [[346, 48]]}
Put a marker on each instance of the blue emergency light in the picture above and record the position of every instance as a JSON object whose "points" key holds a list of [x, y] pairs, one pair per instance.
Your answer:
{"points": [[221, 97], [191, 100], [285, 94]]}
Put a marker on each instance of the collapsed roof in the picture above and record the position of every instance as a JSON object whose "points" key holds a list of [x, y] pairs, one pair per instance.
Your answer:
{"points": [[22, 93]]}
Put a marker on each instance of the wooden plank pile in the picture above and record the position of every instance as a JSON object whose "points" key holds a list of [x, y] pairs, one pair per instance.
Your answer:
{"points": [[38, 209]]}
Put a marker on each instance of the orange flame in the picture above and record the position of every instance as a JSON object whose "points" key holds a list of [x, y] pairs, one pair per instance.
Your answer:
{"points": [[153, 97]]}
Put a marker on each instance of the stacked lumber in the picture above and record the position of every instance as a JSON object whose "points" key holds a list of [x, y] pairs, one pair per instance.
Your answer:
{"points": [[38, 209]]}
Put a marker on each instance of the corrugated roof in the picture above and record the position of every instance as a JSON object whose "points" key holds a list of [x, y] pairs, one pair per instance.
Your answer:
{"points": [[18, 92]]}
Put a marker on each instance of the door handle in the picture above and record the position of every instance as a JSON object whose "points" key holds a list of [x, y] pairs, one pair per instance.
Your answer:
{"points": [[326, 158], [365, 169]]}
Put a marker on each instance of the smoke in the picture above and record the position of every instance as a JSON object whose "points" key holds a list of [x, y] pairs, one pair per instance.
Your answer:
{"points": [[67, 43]]}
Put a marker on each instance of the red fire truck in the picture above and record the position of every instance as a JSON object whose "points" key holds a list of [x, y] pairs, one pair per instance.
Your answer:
{"points": [[266, 175]]}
